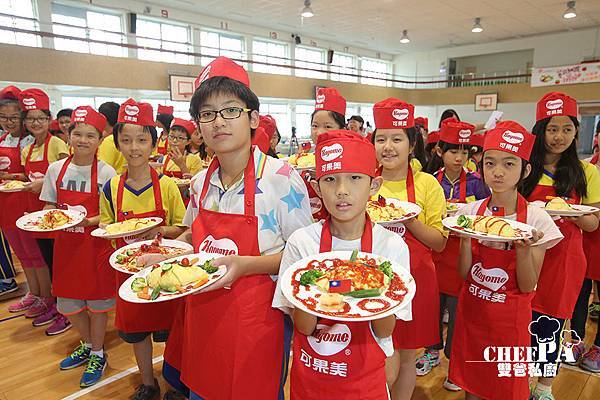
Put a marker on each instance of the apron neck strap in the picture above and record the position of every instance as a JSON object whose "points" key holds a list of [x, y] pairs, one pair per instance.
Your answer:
{"points": [[93, 177], [410, 186], [249, 184], [366, 241], [462, 184], [499, 211], [46, 143], [158, 206]]}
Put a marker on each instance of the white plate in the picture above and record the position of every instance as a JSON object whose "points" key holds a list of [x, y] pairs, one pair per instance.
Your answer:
{"points": [[129, 295], [15, 190], [134, 246], [101, 233], [577, 210], [27, 222], [458, 206], [525, 230], [292, 275], [412, 211], [182, 182]]}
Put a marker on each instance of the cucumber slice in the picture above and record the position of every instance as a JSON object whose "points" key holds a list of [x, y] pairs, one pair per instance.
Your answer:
{"points": [[166, 267], [138, 284]]}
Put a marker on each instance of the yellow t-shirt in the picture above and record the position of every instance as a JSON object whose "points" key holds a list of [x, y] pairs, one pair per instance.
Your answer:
{"points": [[142, 201], [470, 165], [161, 142], [56, 148], [415, 164], [592, 176], [107, 152], [429, 196], [192, 161]]}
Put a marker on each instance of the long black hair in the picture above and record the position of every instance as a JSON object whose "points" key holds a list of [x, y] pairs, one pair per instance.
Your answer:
{"points": [[449, 113], [419, 148], [436, 162], [569, 175]]}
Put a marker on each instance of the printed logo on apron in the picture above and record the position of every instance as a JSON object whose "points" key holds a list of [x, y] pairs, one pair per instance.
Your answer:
{"points": [[329, 340], [316, 205], [35, 176], [493, 278], [398, 228], [225, 246], [4, 163]]}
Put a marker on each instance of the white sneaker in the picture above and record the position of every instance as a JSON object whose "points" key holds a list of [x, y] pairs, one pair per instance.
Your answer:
{"points": [[451, 386], [446, 316]]}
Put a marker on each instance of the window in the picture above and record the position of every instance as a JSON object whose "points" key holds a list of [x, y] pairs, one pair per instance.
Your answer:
{"points": [[343, 64], [76, 101], [162, 36], [373, 71], [303, 113], [86, 24], [22, 17], [272, 53], [282, 114], [310, 58], [218, 44]]}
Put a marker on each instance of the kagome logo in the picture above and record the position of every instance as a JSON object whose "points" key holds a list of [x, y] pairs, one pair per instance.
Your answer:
{"points": [[554, 104], [464, 133], [329, 340], [132, 110], [320, 98], [30, 101], [4, 163], [315, 205], [400, 114], [513, 137], [225, 246], [81, 113], [330, 153], [493, 278]]}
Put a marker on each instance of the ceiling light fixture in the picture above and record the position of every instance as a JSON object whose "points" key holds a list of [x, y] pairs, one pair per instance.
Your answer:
{"points": [[570, 11], [477, 28], [404, 39], [307, 12]]}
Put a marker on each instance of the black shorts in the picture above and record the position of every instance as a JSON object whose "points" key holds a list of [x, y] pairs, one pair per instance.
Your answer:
{"points": [[136, 337]]}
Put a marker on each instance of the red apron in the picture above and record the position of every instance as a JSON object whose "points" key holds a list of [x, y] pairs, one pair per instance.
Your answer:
{"points": [[172, 174], [317, 207], [491, 311], [161, 148], [423, 330], [132, 317], [78, 255], [233, 339], [590, 243], [340, 360], [36, 170], [446, 263], [564, 267], [13, 205]]}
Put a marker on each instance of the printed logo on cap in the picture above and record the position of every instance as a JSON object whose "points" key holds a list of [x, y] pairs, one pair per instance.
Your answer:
{"points": [[82, 112], [29, 101], [554, 104], [205, 74], [330, 340], [132, 110], [493, 278], [513, 137], [464, 133], [400, 114], [330, 153], [224, 247], [320, 98]]}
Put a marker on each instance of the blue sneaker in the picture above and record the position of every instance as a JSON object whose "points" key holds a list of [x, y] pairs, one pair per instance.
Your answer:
{"points": [[78, 357], [93, 371], [6, 288]]}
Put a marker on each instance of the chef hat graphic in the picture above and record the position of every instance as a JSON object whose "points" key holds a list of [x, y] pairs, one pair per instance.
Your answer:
{"points": [[544, 328], [575, 339]]}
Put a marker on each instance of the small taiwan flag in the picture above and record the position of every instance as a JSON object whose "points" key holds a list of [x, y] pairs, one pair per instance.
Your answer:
{"points": [[340, 286], [306, 146]]}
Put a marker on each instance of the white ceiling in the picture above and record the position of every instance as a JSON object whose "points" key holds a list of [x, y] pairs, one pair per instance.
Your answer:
{"points": [[378, 24]]}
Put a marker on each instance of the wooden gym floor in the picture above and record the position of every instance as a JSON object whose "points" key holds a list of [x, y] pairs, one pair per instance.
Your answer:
{"points": [[29, 367]]}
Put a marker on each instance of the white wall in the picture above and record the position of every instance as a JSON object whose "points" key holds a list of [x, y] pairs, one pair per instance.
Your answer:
{"points": [[549, 50], [499, 62]]}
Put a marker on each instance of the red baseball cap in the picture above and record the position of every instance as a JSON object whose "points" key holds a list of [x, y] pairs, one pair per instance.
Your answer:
{"points": [[34, 99], [185, 124], [510, 137], [341, 151], [88, 115], [556, 103], [330, 99], [393, 113], [433, 137], [261, 139], [132, 112], [268, 124], [456, 132], [423, 121], [164, 109], [223, 66], [10, 92]]}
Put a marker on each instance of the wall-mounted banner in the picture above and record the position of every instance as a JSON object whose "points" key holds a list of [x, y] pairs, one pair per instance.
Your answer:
{"points": [[566, 75]]}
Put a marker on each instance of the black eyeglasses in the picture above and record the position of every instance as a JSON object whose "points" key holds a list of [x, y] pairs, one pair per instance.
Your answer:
{"points": [[39, 120], [11, 119], [225, 113]]}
